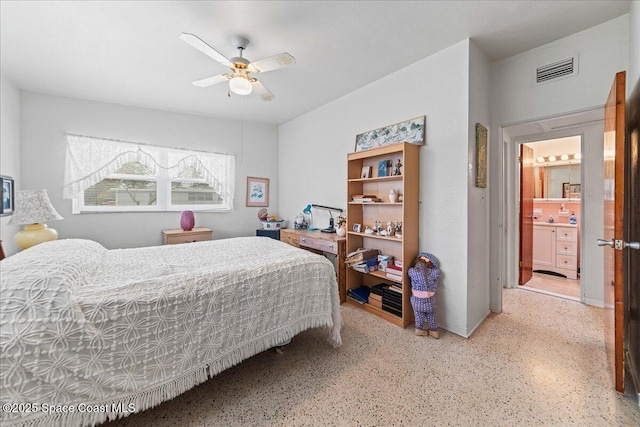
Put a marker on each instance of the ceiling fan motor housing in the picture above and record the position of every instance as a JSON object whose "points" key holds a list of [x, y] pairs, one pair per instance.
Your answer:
{"points": [[240, 42]]}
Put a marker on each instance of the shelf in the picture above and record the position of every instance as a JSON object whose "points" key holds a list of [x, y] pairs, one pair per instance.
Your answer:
{"points": [[378, 179], [375, 236], [379, 274], [376, 203], [392, 318]]}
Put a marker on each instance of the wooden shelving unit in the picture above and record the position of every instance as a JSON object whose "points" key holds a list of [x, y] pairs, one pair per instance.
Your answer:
{"points": [[366, 213]]}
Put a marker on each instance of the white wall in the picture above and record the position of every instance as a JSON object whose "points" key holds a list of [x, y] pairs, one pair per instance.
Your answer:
{"points": [[314, 147], [9, 151], [478, 254], [46, 119], [603, 51]]}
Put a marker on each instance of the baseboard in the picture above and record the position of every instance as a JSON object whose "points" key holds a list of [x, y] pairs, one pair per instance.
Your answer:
{"points": [[594, 302]]}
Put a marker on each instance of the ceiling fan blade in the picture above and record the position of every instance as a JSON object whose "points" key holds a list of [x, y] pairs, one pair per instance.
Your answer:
{"points": [[262, 91], [196, 42], [211, 80], [280, 60]]}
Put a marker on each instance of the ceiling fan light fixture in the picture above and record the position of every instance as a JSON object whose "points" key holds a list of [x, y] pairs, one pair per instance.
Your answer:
{"points": [[240, 85]]}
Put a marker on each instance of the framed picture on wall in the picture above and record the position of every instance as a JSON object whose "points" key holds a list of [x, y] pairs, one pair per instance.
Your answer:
{"points": [[257, 191], [8, 195]]}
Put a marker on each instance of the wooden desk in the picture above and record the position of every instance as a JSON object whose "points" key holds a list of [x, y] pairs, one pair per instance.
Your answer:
{"points": [[318, 242]]}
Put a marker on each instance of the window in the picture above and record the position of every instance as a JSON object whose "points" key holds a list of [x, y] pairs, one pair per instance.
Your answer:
{"points": [[115, 176]]}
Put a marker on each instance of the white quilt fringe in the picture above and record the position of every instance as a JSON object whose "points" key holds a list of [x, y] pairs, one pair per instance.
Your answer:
{"points": [[167, 391]]}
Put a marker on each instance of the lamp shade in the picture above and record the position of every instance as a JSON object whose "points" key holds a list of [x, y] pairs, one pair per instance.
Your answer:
{"points": [[32, 207], [240, 85]]}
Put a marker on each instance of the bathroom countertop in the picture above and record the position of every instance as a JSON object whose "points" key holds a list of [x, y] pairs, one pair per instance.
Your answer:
{"points": [[555, 224]]}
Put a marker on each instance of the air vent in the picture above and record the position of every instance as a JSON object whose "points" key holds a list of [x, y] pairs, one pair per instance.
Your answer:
{"points": [[559, 69]]}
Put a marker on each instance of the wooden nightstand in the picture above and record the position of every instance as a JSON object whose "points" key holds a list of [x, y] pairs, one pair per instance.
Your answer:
{"points": [[172, 237]]}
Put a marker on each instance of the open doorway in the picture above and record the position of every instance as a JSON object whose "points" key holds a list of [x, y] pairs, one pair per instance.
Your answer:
{"points": [[554, 195], [589, 125]]}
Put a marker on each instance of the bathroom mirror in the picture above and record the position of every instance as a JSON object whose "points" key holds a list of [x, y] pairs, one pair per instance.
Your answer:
{"points": [[557, 182]]}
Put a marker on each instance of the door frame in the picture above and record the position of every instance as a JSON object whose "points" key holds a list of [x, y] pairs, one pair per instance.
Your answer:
{"points": [[508, 189]]}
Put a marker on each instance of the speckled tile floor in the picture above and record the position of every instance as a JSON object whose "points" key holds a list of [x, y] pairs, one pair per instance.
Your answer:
{"points": [[540, 363]]}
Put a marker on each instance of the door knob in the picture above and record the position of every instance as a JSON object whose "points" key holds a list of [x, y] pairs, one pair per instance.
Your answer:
{"points": [[602, 242], [619, 244]]}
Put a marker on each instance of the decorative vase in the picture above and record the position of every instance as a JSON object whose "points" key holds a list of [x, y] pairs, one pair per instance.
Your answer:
{"points": [[187, 221], [393, 196], [340, 231]]}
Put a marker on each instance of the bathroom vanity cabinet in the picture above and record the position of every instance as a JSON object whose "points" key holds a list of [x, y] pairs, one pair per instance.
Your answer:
{"points": [[556, 248]]}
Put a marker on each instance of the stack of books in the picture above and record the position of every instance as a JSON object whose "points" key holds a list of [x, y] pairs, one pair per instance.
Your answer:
{"points": [[360, 295], [361, 255], [366, 266], [392, 301], [393, 272], [365, 198], [375, 295]]}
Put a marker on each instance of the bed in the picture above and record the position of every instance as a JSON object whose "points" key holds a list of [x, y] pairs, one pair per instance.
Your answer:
{"points": [[89, 334]]}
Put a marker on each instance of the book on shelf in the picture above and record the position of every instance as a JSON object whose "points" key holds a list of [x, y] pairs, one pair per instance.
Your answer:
{"points": [[392, 305], [367, 266], [375, 302], [360, 294], [361, 255], [378, 289], [397, 263], [394, 277], [395, 289], [392, 297], [366, 199], [392, 310], [362, 196], [393, 269], [376, 297]]}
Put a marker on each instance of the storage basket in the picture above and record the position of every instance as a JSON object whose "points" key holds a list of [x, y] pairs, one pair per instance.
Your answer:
{"points": [[274, 225]]}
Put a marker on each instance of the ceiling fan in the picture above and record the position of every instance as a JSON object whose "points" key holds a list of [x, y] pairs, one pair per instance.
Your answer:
{"points": [[240, 80]]}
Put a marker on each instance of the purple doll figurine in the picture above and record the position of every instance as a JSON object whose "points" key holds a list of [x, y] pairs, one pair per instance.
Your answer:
{"points": [[424, 282]]}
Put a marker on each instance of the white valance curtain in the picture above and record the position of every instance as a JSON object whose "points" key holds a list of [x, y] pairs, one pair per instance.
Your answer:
{"points": [[89, 160]]}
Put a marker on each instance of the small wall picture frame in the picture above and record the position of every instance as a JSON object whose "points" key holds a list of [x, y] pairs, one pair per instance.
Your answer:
{"points": [[481, 156], [357, 228], [257, 191], [8, 195], [366, 172]]}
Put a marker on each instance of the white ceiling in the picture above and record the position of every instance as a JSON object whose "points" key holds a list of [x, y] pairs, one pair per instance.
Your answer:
{"points": [[128, 52]]}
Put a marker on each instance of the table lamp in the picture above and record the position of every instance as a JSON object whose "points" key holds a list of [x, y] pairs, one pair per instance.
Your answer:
{"points": [[33, 208], [331, 228]]}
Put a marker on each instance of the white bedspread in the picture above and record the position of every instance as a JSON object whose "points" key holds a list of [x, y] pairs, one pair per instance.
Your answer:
{"points": [[110, 331]]}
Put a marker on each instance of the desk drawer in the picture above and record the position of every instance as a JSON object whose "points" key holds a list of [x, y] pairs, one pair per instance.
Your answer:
{"points": [[290, 238], [319, 244]]}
